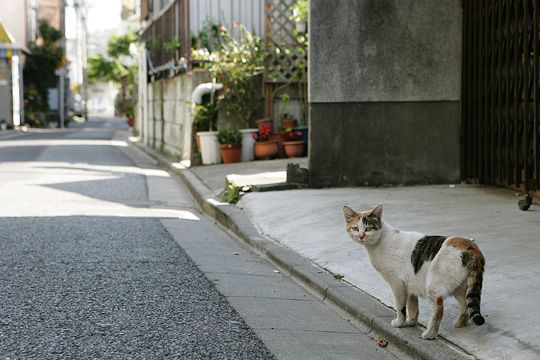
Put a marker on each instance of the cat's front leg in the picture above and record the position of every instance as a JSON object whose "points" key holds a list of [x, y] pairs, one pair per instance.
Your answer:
{"points": [[400, 301]]}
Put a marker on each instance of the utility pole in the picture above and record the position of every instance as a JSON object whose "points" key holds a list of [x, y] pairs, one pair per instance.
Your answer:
{"points": [[63, 69], [84, 56]]}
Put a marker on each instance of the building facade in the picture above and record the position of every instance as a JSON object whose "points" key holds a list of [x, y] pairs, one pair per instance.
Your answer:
{"points": [[422, 92], [13, 38]]}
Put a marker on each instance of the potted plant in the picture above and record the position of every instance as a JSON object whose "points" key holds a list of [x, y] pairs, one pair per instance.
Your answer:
{"points": [[239, 65], [265, 146], [230, 141], [3, 124], [267, 121], [287, 120], [293, 145], [207, 140], [300, 15]]}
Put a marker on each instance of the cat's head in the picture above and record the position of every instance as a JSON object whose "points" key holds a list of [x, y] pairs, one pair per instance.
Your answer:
{"points": [[363, 227]]}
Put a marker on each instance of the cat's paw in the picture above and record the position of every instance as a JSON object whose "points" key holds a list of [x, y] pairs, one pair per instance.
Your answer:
{"points": [[429, 335], [461, 321], [413, 322], [397, 323]]}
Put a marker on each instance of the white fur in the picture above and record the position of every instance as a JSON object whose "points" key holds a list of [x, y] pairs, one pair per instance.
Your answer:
{"points": [[390, 251]]}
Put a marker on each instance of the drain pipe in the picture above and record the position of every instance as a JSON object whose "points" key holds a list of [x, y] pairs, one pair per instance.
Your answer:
{"points": [[203, 89], [196, 98]]}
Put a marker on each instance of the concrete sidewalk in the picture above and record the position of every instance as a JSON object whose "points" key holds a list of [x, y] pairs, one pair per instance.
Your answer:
{"points": [[310, 223]]}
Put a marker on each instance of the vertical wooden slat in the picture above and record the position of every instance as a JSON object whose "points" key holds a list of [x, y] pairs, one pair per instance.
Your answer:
{"points": [[524, 120], [465, 102], [469, 86], [485, 90], [494, 103], [535, 95], [508, 87], [516, 93], [500, 95], [476, 88]]}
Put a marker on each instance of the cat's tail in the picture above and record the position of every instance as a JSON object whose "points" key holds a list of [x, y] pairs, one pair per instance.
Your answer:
{"points": [[474, 288]]}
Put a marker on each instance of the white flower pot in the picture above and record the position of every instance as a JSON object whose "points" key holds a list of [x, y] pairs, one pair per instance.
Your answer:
{"points": [[209, 147], [247, 144]]}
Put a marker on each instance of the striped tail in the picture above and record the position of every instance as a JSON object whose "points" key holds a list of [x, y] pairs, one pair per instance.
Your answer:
{"points": [[474, 290]]}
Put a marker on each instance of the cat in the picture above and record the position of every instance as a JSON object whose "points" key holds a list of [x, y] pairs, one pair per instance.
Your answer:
{"points": [[414, 265]]}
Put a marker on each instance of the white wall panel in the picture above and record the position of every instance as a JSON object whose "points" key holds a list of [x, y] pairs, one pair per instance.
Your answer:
{"points": [[249, 13]]}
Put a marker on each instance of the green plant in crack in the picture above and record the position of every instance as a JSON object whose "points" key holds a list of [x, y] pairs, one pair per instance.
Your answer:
{"points": [[231, 195]]}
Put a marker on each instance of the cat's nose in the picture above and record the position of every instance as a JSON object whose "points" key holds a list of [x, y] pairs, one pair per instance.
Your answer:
{"points": [[362, 236]]}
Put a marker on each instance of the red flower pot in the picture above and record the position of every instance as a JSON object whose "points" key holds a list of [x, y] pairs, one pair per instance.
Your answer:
{"points": [[294, 148], [231, 153], [266, 149]]}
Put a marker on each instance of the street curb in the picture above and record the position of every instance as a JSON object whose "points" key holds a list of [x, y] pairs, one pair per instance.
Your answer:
{"points": [[12, 134], [347, 300]]}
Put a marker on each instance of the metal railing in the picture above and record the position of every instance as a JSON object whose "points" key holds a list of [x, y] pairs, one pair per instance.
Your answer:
{"points": [[167, 39]]}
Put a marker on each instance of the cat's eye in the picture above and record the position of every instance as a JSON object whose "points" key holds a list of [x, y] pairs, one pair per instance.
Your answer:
{"points": [[355, 228], [369, 228]]}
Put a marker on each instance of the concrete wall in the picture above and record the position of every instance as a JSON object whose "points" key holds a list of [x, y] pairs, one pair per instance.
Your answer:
{"points": [[384, 91], [168, 114], [13, 14]]}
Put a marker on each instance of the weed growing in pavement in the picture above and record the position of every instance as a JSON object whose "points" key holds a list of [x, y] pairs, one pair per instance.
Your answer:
{"points": [[231, 195]]}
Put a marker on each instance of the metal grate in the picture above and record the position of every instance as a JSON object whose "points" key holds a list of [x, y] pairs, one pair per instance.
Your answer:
{"points": [[171, 23], [500, 92]]}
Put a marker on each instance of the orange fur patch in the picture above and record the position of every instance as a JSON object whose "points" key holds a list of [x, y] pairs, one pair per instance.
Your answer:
{"points": [[354, 222], [440, 309], [466, 245]]}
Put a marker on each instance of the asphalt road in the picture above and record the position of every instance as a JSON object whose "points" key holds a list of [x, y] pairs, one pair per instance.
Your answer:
{"points": [[79, 286], [104, 255]]}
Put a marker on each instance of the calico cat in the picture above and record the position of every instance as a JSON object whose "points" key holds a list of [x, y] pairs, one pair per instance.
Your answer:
{"points": [[414, 264]]}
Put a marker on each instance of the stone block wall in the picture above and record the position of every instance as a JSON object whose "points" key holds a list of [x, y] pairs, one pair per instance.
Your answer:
{"points": [[169, 115]]}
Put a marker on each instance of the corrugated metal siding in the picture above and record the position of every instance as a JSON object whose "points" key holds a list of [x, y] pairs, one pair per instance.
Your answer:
{"points": [[250, 13]]}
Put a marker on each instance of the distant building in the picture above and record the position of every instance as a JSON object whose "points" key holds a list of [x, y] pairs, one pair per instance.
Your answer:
{"points": [[12, 51], [51, 11]]}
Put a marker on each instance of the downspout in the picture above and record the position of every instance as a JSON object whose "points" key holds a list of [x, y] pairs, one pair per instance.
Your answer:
{"points": [[203, 89], [196, 98]]}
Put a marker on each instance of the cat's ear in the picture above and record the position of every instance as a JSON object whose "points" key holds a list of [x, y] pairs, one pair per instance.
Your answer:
{"points": [[349, 213], [377, 212]]}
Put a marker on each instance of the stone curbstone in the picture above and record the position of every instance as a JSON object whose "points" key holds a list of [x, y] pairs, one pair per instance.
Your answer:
{"points": [[349, 300]]}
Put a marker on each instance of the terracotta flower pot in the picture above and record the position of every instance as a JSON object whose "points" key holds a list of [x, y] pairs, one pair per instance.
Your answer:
{"points": [[231, 153], [266, 149], [288, 123], [198, 142], [294, 148]]}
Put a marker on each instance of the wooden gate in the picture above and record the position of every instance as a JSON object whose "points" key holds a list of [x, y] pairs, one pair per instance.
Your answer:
{"points": [[500, 92]]}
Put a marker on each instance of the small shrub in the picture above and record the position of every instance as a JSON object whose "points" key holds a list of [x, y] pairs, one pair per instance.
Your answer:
{"points": [[204, 116], [229, 136]]}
